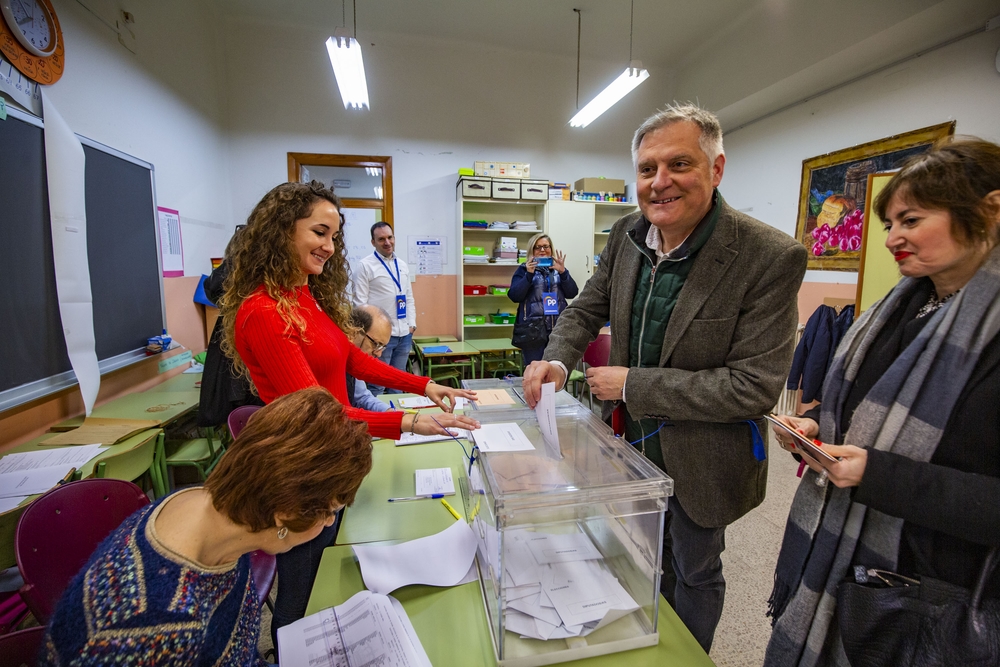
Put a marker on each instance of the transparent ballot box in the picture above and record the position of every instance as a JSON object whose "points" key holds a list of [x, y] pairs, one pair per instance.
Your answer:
{"points": [[513, 387], [570, 534]]}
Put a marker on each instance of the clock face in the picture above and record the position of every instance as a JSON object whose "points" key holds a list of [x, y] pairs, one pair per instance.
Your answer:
{"points": [[31, 24], [31, 40]]}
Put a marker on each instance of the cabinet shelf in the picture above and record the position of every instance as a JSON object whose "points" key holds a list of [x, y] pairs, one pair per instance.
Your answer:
{"points": [[487, 325], [481, 230]]}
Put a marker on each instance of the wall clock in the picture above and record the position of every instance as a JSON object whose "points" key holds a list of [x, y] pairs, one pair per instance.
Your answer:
{"points": [[31, 40]]}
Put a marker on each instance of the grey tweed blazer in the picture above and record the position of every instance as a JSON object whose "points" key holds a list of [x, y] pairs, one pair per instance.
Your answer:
{"points": [[726, 352]]}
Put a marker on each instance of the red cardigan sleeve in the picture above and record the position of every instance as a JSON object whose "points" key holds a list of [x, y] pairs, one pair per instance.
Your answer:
{"points": [[366, 367]]}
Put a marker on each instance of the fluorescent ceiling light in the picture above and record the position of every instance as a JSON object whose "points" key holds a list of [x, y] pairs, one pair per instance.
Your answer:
{"points": [[345, 56], [619, 88]]}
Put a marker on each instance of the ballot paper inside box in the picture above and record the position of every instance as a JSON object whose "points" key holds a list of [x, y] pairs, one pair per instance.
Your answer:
{"points": [[568, 540]]}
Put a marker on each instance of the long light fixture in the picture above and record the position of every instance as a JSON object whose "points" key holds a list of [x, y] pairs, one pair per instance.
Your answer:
{"points": [[626, 82], [348, 66]]}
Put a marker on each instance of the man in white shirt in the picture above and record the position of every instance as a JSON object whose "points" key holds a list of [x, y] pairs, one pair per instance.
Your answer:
{"points": [[383, 279]]}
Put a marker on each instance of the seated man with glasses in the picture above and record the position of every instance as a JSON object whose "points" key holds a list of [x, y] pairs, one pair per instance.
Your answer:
{"points": [[375, 330]]}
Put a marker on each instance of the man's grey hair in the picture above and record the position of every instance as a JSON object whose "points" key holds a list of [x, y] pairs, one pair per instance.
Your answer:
{"points": [[711, 132], [364, 316]]}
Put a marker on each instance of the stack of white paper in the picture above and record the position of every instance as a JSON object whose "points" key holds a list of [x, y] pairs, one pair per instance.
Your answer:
{"points": [[525, 224], [368, 629], [557, 586], [26, 473], [432, 481]]}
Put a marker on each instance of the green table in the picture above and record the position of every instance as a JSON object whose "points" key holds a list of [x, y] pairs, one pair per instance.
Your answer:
{"points": [[495, 349], [456, 349], [372, 518], [162, 406], [451, 622], [180, 382]]}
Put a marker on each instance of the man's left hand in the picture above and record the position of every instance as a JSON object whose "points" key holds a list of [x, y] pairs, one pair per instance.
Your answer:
{"points": [[412, 329], [607, 382]]}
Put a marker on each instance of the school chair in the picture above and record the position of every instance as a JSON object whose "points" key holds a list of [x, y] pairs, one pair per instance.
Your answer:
{"points": [[239, 417], [58, 533], [20, 649], [596, 355], [135, 464], [199, 453]]}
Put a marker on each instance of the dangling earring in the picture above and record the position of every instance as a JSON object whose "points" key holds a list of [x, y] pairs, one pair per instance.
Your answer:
{"points": [[282, 532]]}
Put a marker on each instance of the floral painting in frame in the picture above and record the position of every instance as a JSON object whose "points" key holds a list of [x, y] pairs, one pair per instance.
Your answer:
{"points": [[832, 195]]}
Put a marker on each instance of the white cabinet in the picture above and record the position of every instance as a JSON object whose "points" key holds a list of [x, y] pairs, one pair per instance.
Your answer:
{"points": [[580, 229]]}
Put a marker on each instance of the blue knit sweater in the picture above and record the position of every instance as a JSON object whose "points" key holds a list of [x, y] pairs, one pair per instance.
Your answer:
{"points": [[138, 603]]}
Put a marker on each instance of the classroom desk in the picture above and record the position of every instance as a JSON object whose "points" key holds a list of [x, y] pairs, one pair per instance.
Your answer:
{"points": [[162, 406], [372, 518], [181, 382], [457, 349], [497, 347], [451, 622]]}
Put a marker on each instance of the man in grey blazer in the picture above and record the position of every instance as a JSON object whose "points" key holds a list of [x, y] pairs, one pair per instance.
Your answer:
{"points": [[702, 304]]}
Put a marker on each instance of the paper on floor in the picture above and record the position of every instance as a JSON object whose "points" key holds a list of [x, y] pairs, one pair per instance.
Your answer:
{"points": [[436, 560], [367, 629]]}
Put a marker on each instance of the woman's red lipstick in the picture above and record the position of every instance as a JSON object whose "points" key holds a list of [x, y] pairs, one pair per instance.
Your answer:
{"points": [[901, 255]]}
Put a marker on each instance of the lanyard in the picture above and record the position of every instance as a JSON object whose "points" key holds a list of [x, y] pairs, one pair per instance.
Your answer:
{"points": [[395, 278]]}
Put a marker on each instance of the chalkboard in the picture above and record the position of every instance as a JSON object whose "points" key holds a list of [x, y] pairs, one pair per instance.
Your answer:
{"points": [[123, 255]]}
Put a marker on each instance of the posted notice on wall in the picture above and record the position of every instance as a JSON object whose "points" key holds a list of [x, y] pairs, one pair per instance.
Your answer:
{"points": [[427, 254], [171, 249]]}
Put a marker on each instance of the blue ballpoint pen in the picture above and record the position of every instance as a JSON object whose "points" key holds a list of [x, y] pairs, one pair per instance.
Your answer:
{"points": [[430, 497], [391, 405]]}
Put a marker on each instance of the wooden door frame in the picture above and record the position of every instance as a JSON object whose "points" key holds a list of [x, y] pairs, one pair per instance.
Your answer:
{"points": [[297, 160]]}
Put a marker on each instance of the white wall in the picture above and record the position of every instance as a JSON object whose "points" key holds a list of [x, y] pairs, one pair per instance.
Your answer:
{"points": [[764, 160], [436, 107], [164, 104]]}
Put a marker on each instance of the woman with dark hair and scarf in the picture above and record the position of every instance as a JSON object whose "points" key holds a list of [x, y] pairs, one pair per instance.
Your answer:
{"points": [[910, 407]]}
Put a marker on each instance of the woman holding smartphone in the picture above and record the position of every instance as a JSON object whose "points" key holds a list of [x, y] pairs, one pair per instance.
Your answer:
{"points": [[540, 288]]}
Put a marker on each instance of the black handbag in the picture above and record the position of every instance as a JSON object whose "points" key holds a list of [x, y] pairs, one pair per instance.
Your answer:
{"points": [[530, 334], [888, 619]]}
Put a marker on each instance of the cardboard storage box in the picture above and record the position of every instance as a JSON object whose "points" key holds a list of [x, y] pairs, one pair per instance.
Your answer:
{"points": [[474, 187], [534, 189], [612, 185], [506, 188]]}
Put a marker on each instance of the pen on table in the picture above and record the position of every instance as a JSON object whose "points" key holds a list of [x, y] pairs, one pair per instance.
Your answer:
{"points": [[451, 509], [392, 405], [405, 498]]}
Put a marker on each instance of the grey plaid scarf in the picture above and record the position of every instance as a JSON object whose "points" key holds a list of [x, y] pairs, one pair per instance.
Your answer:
{"points": [[905, 413]]}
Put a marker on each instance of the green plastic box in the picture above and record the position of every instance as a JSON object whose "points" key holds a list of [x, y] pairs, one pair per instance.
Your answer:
{"points": [[499, 289], [502, 318], [475, 319]]}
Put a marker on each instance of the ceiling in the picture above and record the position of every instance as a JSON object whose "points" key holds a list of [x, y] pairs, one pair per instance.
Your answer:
{"points": [[740, 58]]}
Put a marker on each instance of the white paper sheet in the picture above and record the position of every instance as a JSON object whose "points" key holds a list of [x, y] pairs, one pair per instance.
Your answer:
{"points": [[7, 504], [434, 480], [412, 439], [436, 560], [61, 457], [545, 412], [413, 402], [583, 592], [65, 162], [502, 437], [368, 629], [548, 548], [29, 482]]}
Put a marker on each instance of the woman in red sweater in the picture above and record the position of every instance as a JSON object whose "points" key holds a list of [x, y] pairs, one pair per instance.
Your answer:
{"points": [[285, 312]]}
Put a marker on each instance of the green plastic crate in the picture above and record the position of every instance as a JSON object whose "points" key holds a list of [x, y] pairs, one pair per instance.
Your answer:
{"points": [[499, 289], [475, 319], [474, 250], [502, 318]]}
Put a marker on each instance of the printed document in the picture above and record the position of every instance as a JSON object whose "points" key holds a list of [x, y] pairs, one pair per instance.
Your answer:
{"points": [[49, 458], [434, 480], [30, 482], [368, 629], [502, 437], [416, 439]]}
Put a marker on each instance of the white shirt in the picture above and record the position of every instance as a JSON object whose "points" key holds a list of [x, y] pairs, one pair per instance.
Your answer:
{"points": [[373, 284]]}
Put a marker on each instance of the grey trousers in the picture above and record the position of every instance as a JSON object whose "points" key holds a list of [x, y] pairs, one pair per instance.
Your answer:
{"points": [[692, 579]]}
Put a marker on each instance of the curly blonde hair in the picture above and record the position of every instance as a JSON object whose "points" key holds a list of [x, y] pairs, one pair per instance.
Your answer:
{"points": [[263, 254]]}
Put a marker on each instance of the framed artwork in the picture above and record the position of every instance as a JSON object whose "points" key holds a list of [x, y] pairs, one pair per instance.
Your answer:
{"points": [[834, 191]]}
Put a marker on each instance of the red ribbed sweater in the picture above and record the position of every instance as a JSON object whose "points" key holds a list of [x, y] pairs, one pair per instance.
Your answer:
{"points": [[280, 362]]}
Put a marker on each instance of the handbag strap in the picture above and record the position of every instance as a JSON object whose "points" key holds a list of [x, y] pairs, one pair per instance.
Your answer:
{"points": [[984, 576]]}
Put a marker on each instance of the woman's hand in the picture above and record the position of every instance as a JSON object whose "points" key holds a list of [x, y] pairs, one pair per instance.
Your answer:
{"points": [[806, 427], [846, 472], [438, 392], [426, 423], [531, 264], [559, 261]]}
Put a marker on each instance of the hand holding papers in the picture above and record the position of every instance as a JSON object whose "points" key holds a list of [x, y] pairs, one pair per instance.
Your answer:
{"points": [[437, 560], [367, 629]]}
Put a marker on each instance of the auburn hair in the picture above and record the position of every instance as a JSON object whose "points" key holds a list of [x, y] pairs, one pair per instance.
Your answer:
{"points": [[955, 175], [263, 254], [300, 456]]}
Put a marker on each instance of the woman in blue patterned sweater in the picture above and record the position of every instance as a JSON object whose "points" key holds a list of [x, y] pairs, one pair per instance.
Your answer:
{"points": [[172, 585]]}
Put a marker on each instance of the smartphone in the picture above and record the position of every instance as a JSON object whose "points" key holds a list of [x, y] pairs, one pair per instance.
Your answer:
{"points": [[804, 443], [544, 261]]}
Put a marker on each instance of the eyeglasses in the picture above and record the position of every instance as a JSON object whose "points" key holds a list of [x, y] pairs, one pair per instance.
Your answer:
{"points": [[543, 247], [377, 347]]}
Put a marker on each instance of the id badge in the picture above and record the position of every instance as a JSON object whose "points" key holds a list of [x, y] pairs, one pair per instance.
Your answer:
{"points": [[550, 303], [400, 306]]}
